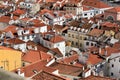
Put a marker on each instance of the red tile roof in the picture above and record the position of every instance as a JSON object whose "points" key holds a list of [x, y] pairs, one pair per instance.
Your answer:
{"points": [[15, 41], [109, 24], [11, 28], [33, 56], [96, 32], [19, 12], [42, 48], [5, 19], [43, 75], [96, 78], [70, 59], [36, 66], [56, 39], [95, 3], [67, 69], [57, 52], [94, 59], [114, 10]]}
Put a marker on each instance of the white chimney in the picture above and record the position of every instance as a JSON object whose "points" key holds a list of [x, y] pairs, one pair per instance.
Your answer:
{"points": [[18, 71], [11, 17], [99, 50]]}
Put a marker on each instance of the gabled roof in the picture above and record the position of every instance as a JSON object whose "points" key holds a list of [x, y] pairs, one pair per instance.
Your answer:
{"points": [[114, 10], [57, 52], [44, 75], [96, 32], [96, 78], [33, 56], [5, 19], [42, 48], [94, 59], [67, 69], [56, 39], [52, 37], [95, 4], [15, 41], [19, 12], [11, 28], [70, 59], [109, 24]]}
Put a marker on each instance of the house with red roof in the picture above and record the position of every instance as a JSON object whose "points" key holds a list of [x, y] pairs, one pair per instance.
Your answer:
{"points": [[93, 7], [112, 14], [32, 56], [52, 40], [111, 55], [16, 44]]}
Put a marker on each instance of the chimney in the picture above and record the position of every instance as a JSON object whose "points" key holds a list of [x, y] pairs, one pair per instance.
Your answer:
{"points": [[99, 50], [11, 17], [105, 53], [19, 71]]}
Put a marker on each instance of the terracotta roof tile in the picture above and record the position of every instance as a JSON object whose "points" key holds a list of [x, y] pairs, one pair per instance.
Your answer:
{"points": [[67, 69], [57, 52], [57, 39], [96, 78], [15, 41], [28, 70], [43, 75], [11, 28], [33, 56], [96, 32], [5, 19], [109, 24], [95, 4], [70, 59], [42, 48], [114, 9], [94, 59], [19, 12]]}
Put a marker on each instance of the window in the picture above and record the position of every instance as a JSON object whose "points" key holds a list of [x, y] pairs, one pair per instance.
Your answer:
{"points": [[72, 36], [72, 43], [80, 44], [101, 66], [87, 43], [91, 44], [114, 60], [112, 74], [58, 44], [27, 37], [112, 65], [1, 67], [76, 43], [68, 35], [76, 37], [85, 14], [23, 64], [80, 37], [96, 11]]}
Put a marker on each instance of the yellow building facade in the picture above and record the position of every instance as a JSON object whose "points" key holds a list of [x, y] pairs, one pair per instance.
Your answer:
{"points": [[76, 38], [9, 59]]}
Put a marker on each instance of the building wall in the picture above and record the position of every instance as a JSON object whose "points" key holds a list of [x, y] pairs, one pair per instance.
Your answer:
{"points": [[10, 59], [21, 47], [114, 63], [40, 29], [77, 39], [107, 14]]}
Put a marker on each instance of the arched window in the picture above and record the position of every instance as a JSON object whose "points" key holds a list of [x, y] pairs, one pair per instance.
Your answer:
{"points": [[110, 18]]}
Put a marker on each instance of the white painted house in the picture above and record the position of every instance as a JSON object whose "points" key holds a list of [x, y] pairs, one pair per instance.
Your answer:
{"points": [[53, 41], [113, 65], [16, 44]]}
